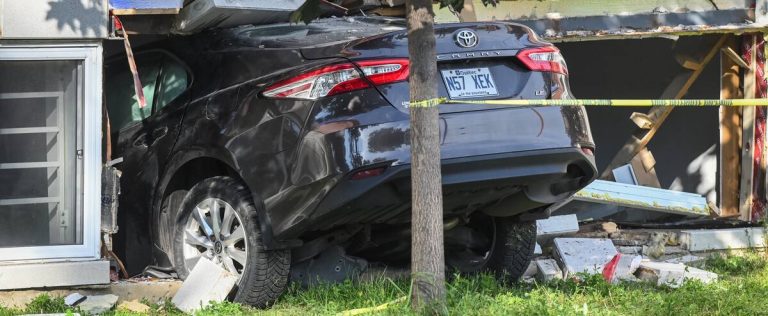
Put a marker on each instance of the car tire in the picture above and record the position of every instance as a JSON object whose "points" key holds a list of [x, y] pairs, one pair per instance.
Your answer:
{"points": [[513, 248], [263, 273]]}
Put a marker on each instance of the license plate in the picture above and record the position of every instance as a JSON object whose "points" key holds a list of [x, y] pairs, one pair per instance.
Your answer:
{"points": [[469, 83]]}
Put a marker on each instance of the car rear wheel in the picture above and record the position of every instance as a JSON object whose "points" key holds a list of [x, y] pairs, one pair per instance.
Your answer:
{"points": [[218, 221], [513, 248], [501, 245]]}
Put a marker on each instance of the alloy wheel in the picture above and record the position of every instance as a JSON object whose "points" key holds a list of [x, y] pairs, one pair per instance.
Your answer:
{"points": [[215, 231]]}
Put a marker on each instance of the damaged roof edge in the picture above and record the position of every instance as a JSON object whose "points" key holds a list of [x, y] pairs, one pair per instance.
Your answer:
{"points": [[555, 28], [644, 25], [737, 29]]}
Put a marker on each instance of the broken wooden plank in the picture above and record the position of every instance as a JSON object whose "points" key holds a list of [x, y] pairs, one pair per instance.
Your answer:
{"points": [[729, 164], [735, 58]]}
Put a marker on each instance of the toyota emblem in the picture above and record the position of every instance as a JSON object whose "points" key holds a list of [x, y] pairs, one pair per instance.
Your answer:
{"points": [[466, 38]]}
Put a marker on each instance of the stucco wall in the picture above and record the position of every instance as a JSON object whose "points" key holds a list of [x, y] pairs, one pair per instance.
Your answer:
{"points": [[53, 19]]}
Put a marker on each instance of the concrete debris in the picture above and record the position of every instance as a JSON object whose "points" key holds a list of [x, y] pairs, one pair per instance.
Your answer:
{"points": [[584, 255], [686, 259], [548, 270], [206, 283], [134, 306], [532, 270], [656, 245], [672, 275], [723, 239], [557, 225], [74, 299], [622, 268], [537, 249], [98, 304], [630, 250]]}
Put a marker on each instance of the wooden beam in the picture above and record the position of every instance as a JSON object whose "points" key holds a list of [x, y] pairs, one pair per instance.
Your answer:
{"points": [[658, 114], [749, 51], [728, 51], [730, 134]]}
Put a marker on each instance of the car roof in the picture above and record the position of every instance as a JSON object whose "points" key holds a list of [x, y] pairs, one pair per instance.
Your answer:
{"points": [[319, 32]]}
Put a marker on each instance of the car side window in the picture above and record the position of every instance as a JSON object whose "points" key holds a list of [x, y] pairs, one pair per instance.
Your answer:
{"points": [[173, 83], [122, 103]]}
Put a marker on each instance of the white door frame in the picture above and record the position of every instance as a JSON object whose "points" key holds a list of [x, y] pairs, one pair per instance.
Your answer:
{"points": [[89, 195]]}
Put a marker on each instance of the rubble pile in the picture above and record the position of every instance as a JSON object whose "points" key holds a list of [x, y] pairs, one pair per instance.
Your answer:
{"points": [[663, 257]]}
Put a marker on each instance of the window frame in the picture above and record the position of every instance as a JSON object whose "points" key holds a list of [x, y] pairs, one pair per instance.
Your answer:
{"points": [[89, 110]]}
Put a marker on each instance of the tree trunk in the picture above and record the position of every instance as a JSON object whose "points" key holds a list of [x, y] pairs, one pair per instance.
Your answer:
{"points": [[427, 259]]}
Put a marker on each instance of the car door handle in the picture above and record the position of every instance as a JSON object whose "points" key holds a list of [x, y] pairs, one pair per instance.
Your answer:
{"points": [[159, 132], [148, 140]]}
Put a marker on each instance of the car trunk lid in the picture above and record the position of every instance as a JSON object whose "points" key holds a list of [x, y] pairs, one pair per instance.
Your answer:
{"points": [[475, 61]]}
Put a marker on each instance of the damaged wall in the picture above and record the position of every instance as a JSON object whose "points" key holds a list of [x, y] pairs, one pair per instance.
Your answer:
{"points": [[686, 146]]}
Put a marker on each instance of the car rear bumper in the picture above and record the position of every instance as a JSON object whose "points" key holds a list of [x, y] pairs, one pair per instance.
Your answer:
{"points": [[528, 157], [536, 178], [509, 184]]}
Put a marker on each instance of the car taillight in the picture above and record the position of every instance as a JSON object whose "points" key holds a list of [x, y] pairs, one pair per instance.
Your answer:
{"points": [[547, 58], [338, 78]]}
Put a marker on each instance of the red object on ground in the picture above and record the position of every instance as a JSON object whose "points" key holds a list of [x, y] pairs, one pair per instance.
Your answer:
{"points": [[609, 271]]}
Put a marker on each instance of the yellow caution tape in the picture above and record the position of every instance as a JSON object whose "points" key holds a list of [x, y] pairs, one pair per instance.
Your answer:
{"points": [[596, 102], [370, 310], [427, 103]]}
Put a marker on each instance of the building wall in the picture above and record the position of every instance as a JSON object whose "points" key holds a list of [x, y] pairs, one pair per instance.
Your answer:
{"points": [[54, 19], [686, 147]]}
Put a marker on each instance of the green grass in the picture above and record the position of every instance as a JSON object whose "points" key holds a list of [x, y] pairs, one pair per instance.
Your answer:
{"points": [[741, 290]]}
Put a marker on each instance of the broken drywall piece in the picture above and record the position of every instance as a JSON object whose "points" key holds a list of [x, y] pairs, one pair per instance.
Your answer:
{"points": [[548, 270], [723, 239], [584, 255], [537, 249], [557, 225], [672, 274], [207, 283], [98, 304]]}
